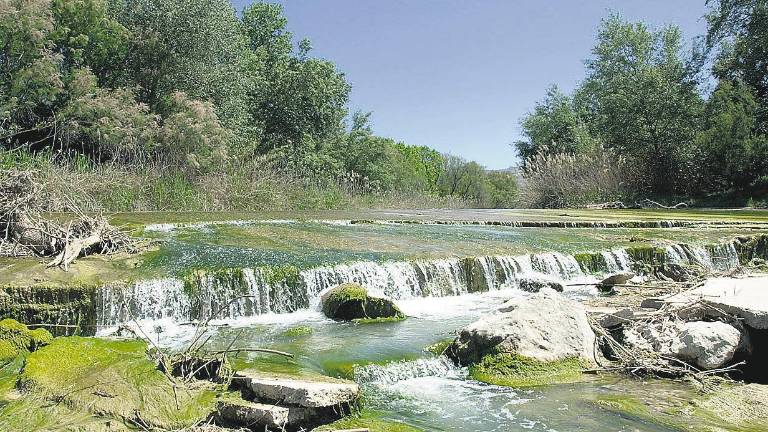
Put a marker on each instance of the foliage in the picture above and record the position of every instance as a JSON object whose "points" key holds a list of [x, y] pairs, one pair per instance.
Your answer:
{"points": [[572, 180], [462, 178], [502, 189], [642, 101], [556, 126]]}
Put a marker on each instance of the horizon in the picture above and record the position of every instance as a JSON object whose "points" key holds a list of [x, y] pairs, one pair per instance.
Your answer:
{"points": [[464, 92]]}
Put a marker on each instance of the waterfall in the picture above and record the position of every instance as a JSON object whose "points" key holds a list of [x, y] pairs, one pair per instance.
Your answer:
{"points": [[393, 372], [241, 292]]}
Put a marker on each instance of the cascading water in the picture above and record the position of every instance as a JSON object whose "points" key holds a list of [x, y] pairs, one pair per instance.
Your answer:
{"points": [[393, 372], [233, 293]]}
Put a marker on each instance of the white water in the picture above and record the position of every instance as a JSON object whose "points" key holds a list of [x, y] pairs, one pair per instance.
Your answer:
{"points": [[246, 292]]}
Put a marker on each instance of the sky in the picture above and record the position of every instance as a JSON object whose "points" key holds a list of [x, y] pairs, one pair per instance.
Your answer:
{"points": [[458, 75]]}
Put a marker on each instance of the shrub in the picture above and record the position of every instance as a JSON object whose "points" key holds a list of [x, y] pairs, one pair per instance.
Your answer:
{"points": [[572, 180]]}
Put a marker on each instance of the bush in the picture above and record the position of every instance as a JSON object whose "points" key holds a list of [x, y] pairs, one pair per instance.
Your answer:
{"points": [[574, 180]]}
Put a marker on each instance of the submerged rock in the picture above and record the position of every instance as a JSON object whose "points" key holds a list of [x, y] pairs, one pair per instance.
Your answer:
{"points": [[544, 327], [351, 301], [539, 282]]}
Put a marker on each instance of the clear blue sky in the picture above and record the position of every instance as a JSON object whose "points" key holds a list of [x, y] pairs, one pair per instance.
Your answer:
{"points": [[457, 75]]}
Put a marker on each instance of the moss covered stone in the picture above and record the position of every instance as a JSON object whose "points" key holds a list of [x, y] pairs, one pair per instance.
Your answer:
{"points": [[298, 331], [438, 348], [69, 310], [352, 302], [16, 338], [116, 379], [513, 370]]}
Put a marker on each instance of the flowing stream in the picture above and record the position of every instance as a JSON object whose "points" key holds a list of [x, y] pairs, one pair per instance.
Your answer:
{"points": [[264, 305]]}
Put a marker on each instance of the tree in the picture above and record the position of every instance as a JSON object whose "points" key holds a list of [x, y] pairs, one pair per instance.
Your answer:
{"points": [[293, 96], [463, 179], [554, 126], [642, 100], [727, 137], [502, 189], [739, 28]]}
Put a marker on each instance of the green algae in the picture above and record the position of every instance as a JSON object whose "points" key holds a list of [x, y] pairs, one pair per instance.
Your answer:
{"points": [[16, 339], [350, 301], [438, 348], [114, 378], [513, 370], [297, 331], [372, 420]]}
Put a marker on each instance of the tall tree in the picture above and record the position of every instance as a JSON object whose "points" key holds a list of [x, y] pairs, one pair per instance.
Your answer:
{"points": [[554, 126], [739, 30], [642, 100]]}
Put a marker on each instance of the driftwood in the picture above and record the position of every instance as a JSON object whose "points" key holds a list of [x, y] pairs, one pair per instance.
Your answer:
{"points": [[642, 204], [25, 230]]}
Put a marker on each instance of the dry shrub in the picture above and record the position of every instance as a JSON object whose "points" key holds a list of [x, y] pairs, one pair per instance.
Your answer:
{"points": [[574, 180]]}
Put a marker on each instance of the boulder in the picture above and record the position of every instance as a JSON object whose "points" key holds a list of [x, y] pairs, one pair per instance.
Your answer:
{"points": [[607, 284], [538, 282], [304, 392], [351, 301], [708, 345], [544, 327]]}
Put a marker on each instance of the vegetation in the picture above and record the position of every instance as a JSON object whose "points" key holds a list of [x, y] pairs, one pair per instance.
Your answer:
{"points": [[513, 370], [641, 125], [176, 104], [17, 339]]}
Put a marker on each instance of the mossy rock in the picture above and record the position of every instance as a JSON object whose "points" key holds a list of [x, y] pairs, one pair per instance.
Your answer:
{"points": [[16, 339], [71, 309], [438, 348], [351, 302], [513, 370], [114, 378], [298, 331]]}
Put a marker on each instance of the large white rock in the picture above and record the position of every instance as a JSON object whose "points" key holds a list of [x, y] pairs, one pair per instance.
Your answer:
{"points": [[303, 392], [708, 345], [545, 326]]}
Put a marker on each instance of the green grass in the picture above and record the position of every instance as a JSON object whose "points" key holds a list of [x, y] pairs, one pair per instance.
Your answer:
{"points": [[373, 420]]}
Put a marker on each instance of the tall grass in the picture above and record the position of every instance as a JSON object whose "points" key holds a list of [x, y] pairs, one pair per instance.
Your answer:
{"points": [[251, 185]]}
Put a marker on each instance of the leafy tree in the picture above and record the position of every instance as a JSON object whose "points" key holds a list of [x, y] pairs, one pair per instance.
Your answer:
{"points": [[502, 189], [191, 46], [463, 179], [740, 29], [293, 96], [727, 137], [642, 100], [554, 126], [426, 165]]}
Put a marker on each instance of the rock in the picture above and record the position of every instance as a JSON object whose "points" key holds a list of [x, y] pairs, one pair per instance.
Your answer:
{"points": [[616, 319], [544, 327], [607, 284], [745, 298], [302, 392], [708, 345], [538, 282], [241, 413], [351, 301]]}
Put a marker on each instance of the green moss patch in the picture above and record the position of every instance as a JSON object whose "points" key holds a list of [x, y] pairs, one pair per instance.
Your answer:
{"points": [[438, 348], [298, 331], [16, 339], [114, 378], [372, 420], [512, 370]]}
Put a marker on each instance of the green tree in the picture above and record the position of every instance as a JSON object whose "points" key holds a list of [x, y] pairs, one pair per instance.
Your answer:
{"points": [[739, 28], [726, 141], [502, 189], [554, 126], [293, 96], [464, 179], [642, 100]]}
